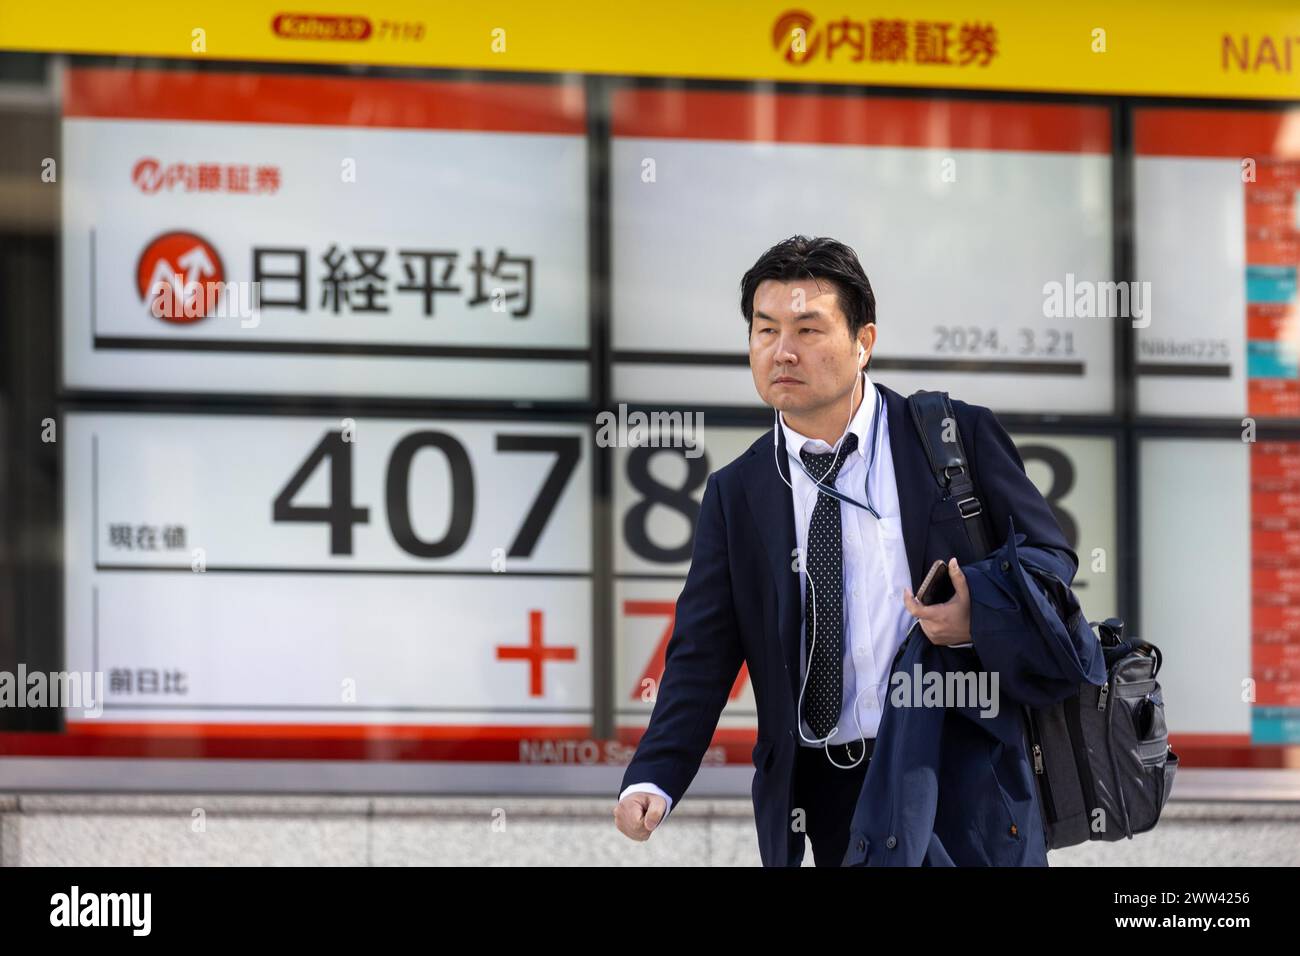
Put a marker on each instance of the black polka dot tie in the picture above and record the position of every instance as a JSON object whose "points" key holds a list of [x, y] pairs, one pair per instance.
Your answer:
{"points": [[824, 691]]}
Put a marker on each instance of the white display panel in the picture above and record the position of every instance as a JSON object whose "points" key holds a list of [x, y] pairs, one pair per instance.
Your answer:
{"points": [[957, 241], [1195, 578], [316, 571], [327, 253], [1190, 225], [1217, 218]]}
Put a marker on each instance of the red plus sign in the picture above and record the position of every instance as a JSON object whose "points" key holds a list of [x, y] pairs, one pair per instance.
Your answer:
{"points": [[535, 653]]}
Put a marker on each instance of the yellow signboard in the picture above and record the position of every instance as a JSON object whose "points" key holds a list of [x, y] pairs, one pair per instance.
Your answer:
{"points": [[1246, 49]]}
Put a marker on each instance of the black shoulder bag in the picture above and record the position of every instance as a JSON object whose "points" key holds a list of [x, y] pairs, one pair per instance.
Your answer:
{"points": [[1101, 758]]}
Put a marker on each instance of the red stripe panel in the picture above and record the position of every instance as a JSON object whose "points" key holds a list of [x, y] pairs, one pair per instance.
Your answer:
{"points": [[861, 121], [1235, 133], [324, 101]]}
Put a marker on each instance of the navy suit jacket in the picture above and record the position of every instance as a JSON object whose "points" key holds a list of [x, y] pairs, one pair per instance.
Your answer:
{"points": [[741, 602]]}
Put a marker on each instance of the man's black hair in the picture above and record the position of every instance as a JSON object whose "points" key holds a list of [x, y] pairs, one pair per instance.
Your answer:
{"points": [[800, 257]]}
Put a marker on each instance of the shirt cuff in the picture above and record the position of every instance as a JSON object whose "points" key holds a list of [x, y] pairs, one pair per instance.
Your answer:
{"points": [[648, 788]]}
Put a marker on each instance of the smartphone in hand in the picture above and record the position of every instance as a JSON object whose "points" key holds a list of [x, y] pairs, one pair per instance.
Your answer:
{"points": [[937, 586]]}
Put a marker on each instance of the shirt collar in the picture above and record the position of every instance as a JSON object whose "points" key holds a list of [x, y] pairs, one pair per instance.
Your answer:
{"points": [[860, 426]]}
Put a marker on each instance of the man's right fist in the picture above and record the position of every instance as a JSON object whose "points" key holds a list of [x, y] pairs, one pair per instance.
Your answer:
{"points": [[639, 813]]}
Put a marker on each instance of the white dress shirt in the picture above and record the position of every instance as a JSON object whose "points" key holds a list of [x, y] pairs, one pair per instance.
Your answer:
{"points": [[875, 572], [874, 565]]}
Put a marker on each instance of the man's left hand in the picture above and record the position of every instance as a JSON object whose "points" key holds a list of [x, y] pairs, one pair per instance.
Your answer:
{"points": [[949, 622]]}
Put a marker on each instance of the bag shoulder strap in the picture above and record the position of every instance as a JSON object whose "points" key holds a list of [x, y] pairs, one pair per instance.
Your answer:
{"points": [[931, 412]]}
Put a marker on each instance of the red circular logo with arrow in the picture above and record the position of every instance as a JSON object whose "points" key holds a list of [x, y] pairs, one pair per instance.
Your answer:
{"points": [[180, 277]]}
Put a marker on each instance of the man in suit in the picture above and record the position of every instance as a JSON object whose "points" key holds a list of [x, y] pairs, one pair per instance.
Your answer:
{"points": [[808, 549]]}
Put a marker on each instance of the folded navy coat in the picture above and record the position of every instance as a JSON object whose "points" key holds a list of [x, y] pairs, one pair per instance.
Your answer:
{"points": [[952, 785]]}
